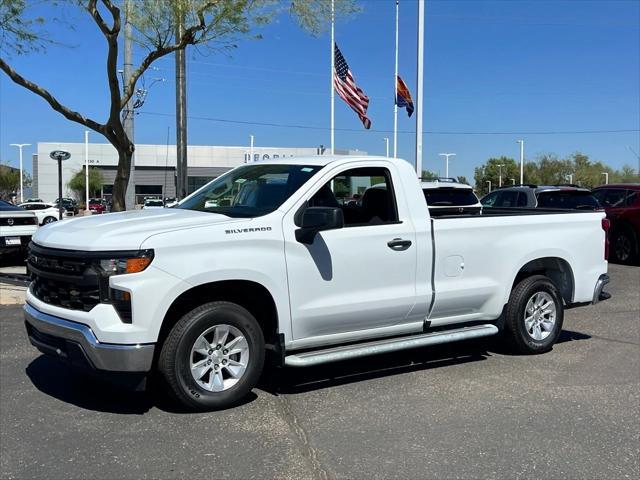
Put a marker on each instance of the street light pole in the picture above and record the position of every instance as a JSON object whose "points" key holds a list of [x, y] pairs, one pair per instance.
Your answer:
{"points": [[386, 140], [521, 142], [606, 177], [570, 175], [513, 181], [500, 174], [20, 145], [251, 148], [446, 168], [489, 182]]}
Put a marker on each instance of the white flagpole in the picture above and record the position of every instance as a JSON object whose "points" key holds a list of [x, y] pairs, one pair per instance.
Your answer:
{"points": [[331, 77], [419, 89], [395, 92], [86, 170]]}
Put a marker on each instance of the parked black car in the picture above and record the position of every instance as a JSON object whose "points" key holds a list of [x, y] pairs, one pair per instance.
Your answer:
{"points": [[570, 197], [69, 204]]}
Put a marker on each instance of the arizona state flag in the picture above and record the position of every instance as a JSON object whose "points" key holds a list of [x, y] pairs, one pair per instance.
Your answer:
{"points": [[403, 96]]}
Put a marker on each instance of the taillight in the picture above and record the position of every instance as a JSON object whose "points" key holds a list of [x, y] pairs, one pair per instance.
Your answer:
{"points": [[606, 224]]}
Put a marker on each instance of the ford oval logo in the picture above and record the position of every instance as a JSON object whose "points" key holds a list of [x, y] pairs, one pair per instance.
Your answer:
{"points": [[60, 155], [10, 222]]}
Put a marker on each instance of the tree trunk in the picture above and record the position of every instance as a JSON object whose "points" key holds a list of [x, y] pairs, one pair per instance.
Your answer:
{"points": [[122, 178]]}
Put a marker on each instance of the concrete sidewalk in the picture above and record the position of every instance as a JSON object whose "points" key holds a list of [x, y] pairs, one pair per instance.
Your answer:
{"points": [[12, 294]]}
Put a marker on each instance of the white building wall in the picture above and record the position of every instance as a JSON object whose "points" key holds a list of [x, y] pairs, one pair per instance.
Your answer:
{"points": [[104, 154]]}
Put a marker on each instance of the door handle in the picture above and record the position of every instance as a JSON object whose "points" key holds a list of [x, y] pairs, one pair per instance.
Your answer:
{"points": [[399, 244]]}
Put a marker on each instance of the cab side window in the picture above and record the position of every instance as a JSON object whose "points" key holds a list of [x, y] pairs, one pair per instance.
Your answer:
{"points": [[365, 196]]}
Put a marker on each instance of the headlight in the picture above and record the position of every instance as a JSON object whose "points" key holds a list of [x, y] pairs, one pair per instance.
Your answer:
{"points": [[119, 266]]}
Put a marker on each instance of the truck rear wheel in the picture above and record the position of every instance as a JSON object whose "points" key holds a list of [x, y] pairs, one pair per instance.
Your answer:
{"points": [[534, 315], [213, 356]]}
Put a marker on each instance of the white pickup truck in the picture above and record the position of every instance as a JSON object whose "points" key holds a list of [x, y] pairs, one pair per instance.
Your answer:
{"points": [[278, 255]]}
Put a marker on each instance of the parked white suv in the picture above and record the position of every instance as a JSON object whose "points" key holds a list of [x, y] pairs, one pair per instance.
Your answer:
{"points": [[267, 257], [17, 226], [46, 212], [446, 196]]}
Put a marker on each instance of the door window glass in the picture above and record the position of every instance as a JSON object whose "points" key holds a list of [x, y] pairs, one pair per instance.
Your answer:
{"points": [[610, 197], [633, 198], [365, 196]]}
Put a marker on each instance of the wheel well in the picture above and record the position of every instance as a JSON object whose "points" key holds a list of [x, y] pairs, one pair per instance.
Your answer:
{"points": [[250, 295], [556, 269]]}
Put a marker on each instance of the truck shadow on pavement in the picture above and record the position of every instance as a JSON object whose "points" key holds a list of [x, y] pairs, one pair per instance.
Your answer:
{"points": [[279, 381], [90, 393]]}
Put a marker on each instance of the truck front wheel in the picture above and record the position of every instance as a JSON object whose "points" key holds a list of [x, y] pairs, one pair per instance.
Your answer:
{"points": [[213, 356], [534, 315]]}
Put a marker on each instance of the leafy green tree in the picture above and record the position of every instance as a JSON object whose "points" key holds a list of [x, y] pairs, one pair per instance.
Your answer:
{"points": [[9, 180], [214, 24], [627, 174], [428, 176], [462, 179], [77, 183], [495, 170]]}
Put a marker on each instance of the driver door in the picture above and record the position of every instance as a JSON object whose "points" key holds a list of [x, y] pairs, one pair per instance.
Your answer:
{"points": [[352, 278]]}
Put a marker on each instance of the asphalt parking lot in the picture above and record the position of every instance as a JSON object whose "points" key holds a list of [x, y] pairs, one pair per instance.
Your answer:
{"points": [[467, 410]]}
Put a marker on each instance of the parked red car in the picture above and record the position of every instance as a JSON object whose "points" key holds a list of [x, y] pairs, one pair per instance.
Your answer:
{"points": [[96, 205], [622, 204]]}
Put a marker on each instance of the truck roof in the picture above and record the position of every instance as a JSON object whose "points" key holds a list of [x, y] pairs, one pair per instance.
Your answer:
{"points": [[322, 160]]}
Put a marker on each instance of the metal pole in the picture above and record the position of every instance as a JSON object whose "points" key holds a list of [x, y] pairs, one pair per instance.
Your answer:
{"points": [[60, 204], [395, 93], [419, 89], [606, 177], [447, 155], [489, 182], [500, 174], [386, 140], [21, 178], [513, 181], [86, 170], [20, 145], [521, 142], [251, 149], [181, 113], [333, 43], [130, 195]]}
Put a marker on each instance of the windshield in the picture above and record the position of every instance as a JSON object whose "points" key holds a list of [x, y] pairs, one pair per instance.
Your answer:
{"points": [[250, 190], [568, 199], [457, 197]]}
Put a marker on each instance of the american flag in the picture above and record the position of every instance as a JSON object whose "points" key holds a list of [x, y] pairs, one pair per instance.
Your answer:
{"points": [[347, 88]]}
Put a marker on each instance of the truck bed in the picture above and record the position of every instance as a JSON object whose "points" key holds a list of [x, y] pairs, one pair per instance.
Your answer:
{"points": [[509, 212]]}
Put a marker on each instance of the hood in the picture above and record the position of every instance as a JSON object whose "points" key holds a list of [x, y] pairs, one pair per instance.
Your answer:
{"points": [[121, 231]]}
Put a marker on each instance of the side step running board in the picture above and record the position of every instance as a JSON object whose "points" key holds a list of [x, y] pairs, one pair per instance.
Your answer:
{"points": [[347, 352]]}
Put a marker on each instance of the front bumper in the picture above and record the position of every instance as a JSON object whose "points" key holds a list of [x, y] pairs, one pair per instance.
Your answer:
{"points": [[598, 294], [77, 344]]}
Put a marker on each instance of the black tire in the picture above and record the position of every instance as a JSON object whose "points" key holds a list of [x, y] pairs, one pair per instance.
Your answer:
{"points": [[624, 246], [516, 331], [174, 362], [49, 220]]}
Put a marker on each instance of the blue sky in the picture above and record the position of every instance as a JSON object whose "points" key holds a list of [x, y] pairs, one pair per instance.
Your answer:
{"points": [[490, 66]]}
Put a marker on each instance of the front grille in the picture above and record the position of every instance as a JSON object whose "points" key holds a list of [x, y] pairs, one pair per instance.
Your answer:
{"points": [[66, 294], [63, 278], [16, 221]]}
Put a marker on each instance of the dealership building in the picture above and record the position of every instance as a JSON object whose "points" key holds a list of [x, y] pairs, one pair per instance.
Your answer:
{"points": [[155, 166]]}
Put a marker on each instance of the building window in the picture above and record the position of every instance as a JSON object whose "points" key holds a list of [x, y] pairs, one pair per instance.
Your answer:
{"points": [[145, 192], [194, 183]]}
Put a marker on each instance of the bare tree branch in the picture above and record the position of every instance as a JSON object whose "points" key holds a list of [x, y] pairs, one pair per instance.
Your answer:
{"points": [[188, 38], [93, 11], [111, 35], [51, 100]]}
